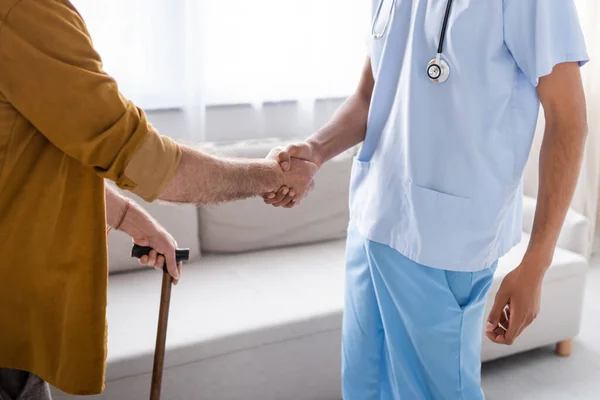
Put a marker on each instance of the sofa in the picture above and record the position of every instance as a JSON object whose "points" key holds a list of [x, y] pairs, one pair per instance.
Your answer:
{"points": [[258, 311]]}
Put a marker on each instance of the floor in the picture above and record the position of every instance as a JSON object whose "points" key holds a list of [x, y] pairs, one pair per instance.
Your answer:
{"points": [[540, 374]]}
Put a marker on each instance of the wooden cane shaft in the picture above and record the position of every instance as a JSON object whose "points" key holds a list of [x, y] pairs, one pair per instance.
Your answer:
{"points": [[161, 337]]}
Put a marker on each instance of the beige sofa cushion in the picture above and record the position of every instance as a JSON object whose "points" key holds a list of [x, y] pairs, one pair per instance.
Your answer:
{"points": [[263, 297], [179, 220], [251, 225]]}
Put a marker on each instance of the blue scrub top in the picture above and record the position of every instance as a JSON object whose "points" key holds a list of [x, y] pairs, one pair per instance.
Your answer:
{"points": [[439, 176]]}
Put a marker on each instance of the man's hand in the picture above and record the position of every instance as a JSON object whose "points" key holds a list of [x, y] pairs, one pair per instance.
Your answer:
{"points": [[288, 196], [299, 177], [521, 291], [146, 231]]}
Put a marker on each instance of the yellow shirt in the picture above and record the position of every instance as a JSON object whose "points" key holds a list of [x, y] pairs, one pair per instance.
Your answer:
{"points": [[63, 128]]}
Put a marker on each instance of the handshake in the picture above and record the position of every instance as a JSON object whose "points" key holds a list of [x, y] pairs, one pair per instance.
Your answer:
{"points": [[299, 163]]}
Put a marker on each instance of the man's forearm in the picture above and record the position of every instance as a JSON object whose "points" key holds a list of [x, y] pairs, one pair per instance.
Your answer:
{"points": [[560, 163], [348, 126], [204, 179], [116, 207]]}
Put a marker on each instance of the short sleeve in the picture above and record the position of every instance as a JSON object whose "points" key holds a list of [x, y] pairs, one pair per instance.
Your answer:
{"points": [[543, 33], [51, 74]]}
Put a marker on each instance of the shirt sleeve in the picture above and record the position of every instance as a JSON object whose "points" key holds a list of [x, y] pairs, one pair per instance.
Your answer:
{"points": [[541, 34], [51, 74]]}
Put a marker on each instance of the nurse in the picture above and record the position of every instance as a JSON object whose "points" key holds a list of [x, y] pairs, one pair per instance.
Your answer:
{"points": [[447, 107]]}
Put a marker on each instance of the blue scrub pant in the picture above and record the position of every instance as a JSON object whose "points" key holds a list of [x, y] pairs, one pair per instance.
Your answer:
{"points": [[410, 332]]}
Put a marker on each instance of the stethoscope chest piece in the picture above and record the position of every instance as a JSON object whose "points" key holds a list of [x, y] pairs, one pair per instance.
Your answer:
{"points": [[438, 70]]}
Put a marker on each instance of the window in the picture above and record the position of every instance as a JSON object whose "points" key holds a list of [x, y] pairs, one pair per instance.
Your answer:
{"points": [[164, 53]]}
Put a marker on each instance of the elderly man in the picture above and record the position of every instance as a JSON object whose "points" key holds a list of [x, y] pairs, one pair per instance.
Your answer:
{"points": [[64, 128], [447, 107]]}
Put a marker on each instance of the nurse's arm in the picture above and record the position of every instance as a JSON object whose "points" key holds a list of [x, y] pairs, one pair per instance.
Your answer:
{"points": [[348, 125], [562, 97], [345, 129]]}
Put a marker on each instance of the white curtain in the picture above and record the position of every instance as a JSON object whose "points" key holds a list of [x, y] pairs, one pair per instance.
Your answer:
{"points": [[588, 189], [141, 44], [193, 54]]}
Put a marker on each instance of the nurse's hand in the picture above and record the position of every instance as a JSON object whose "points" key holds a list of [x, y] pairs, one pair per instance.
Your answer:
{"points": [[285, 196], [521, 291]]}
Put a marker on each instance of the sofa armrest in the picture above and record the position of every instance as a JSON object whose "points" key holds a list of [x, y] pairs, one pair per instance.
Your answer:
{"points": [[574, 235]]}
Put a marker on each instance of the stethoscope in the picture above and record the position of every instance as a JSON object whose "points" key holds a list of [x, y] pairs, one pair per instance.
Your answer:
{"points": [[438, 69]]}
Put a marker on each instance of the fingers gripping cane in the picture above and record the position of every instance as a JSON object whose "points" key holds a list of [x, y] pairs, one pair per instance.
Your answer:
{"points": [[163, 317]]}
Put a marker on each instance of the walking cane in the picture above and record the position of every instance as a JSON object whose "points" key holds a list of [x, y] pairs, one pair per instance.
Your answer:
{"points": [[163, 317]]}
